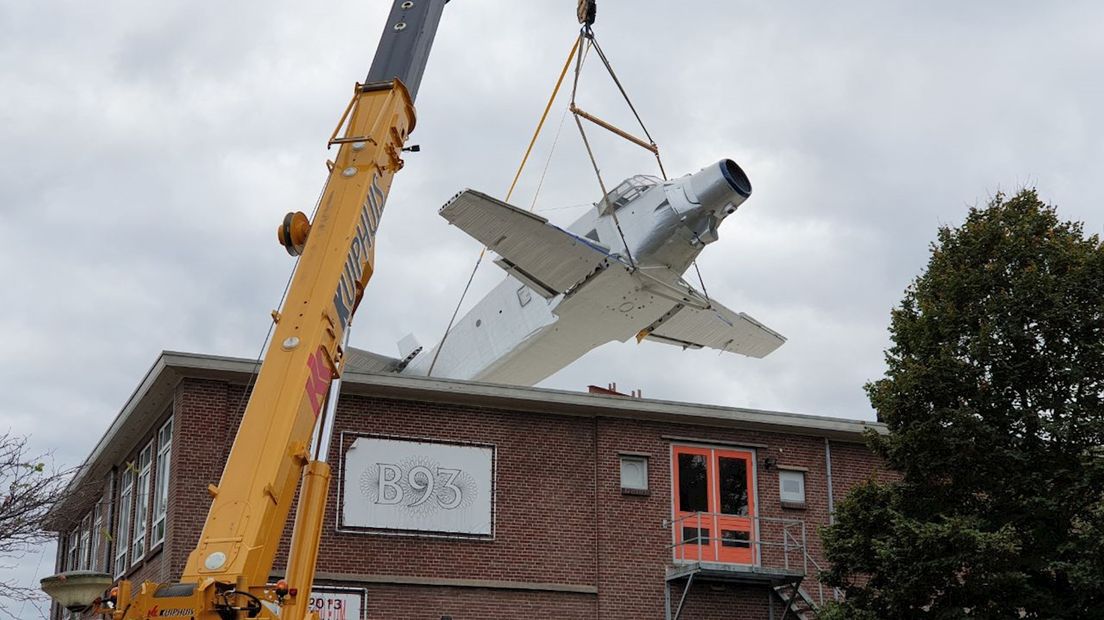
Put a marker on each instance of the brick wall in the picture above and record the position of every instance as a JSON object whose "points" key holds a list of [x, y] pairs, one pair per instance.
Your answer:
{"points": [[853, 464], [208, 413], [544, 498], [726, 601], [561, 518], [387, 602], [634, 524]]}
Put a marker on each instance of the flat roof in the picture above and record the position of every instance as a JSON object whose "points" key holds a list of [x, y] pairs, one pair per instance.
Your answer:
{"points": [[154, 394]]}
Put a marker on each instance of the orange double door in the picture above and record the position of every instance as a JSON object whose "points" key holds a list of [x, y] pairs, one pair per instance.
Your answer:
{"points": [[714, 501]]}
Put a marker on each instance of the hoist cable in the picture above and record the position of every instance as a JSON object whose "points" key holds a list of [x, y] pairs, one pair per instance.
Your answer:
{"points": [[283, 296], [540, 125], [524, 160], [448, 330], [605, 193], [613, 75], [588, 34], [644, 128], [701, 281], [548, 162]]}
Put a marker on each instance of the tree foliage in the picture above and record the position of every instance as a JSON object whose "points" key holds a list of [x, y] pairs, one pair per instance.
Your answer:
{"points": [[28, 489], [994, 400]]}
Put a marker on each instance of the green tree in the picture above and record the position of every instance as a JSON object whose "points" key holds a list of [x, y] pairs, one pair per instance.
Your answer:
{"points": [[994, 400]]}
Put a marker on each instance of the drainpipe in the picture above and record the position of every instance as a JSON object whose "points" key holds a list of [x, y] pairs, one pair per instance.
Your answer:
{"points": [[828, 468], [597, 532]]}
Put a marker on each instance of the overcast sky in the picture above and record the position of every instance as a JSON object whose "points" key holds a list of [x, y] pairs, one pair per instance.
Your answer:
{"points": [[150, 149]]}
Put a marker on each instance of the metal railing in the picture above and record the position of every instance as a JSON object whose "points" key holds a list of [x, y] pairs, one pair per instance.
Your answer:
{"points": [[774, 543]]}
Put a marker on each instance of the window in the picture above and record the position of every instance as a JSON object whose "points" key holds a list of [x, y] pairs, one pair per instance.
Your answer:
{"points": [[161, 492], [72, 558], [634, 474], [97, 536], [110, 516], [791, 486], [83, 562], [693, 496], [733, 485], [122, 527], [141, 504]]}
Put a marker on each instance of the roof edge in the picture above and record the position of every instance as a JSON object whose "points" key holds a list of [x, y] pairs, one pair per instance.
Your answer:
{"points": [[170, 367], [591, 405], [544, 399]]}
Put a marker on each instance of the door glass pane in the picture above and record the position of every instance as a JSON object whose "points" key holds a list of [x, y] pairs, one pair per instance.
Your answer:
{"points": [[693, 493], [732, 478], [695, 536], [735, 538]]}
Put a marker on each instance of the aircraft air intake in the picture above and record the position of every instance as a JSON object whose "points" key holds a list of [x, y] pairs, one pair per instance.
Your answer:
{"points": [[722, 185]]}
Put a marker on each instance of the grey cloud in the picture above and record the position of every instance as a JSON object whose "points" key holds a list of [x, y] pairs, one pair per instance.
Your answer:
{"points": [[149, 150]]}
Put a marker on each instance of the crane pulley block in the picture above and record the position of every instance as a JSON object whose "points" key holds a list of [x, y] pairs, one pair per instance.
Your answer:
{"points": [[588, 10]]}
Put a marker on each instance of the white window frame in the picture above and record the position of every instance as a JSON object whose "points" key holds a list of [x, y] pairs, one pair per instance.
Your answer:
{"points": [[161, 492], [97, 535], [72, 551], [797, 499], [83, 562], [122, 525], [635, 459], [141, 504], [110, 508]]}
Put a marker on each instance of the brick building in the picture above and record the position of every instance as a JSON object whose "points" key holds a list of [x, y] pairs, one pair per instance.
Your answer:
{"points": [[468, 501]]}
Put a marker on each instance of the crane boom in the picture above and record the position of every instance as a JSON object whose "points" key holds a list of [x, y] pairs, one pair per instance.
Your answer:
{"points": [[250, 505], [403, 49], [228, 571]]}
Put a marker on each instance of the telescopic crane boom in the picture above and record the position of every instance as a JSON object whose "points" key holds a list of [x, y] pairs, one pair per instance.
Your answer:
{"points": [[227, 575]]}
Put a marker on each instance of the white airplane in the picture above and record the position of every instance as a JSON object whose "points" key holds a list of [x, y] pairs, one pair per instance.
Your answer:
{"points": [[615, 274]]}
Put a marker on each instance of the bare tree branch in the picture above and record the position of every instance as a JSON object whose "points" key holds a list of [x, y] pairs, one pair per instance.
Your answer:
{"points": [[30, 485]]}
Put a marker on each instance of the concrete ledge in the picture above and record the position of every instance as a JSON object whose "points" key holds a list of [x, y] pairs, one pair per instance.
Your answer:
{"points": [[457, 583]]}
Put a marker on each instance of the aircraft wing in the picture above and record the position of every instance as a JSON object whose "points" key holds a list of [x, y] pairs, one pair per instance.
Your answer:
{"points": [[547, 258], [715, 327]]}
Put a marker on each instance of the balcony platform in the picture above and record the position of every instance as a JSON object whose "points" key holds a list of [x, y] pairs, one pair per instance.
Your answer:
{"points": [[733, 573]]}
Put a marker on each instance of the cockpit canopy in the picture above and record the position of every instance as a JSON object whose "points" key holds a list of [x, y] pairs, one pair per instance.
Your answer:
{"points": [[628, 190]]}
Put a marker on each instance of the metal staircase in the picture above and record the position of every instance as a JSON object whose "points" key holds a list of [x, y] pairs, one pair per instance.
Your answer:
{"points": [[798, 603]]}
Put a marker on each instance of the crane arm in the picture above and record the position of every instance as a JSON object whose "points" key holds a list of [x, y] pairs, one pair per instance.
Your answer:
{"points": [[250, 505], [228, 571]]}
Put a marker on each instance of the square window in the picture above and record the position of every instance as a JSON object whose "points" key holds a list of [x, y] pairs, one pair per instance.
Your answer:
{"points": [[634, 474], [791, 486]]}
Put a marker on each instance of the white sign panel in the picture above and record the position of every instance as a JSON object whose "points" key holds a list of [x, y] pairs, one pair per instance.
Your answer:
{"points": [[336, 606], [418, 486]]}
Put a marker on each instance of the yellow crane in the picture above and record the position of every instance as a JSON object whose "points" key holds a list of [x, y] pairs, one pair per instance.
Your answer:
{"points": [[227, 575]]}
